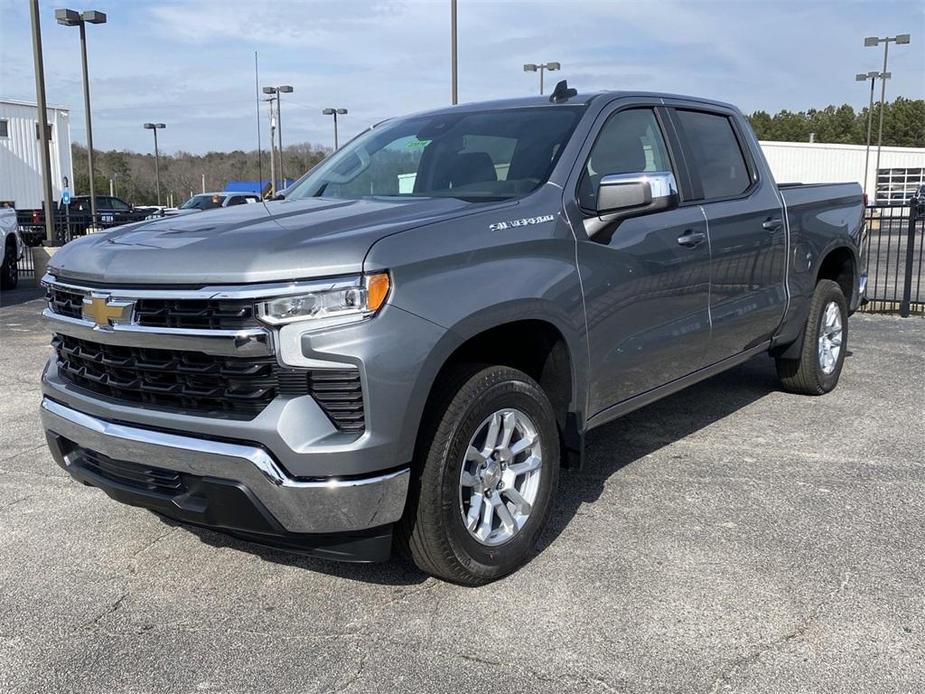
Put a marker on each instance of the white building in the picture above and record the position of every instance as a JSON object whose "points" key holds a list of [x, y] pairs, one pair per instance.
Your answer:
{"points": [[20, 153], [902, 169]]}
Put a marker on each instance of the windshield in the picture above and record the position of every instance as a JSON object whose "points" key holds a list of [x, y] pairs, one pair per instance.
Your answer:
{"points": [[203, 202], [485, 155]]}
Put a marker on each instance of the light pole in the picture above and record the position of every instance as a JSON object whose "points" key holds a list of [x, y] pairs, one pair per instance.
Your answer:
{"points": [[453, 65], [73, 18], [863, 77], [278, 92], [270, 101], [39, 62], [533, 67], [334, 112], [154, 127], [870, 41]]}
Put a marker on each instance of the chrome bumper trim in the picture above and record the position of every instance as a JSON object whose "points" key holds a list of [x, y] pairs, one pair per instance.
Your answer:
{"points": [[250, 342], [301, 506]]}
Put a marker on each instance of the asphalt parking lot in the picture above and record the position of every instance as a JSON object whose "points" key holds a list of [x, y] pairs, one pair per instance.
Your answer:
{"points": [[730, 538]]}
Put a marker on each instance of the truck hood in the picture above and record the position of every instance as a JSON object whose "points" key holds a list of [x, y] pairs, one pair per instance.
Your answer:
{"points": [[279, 241]]}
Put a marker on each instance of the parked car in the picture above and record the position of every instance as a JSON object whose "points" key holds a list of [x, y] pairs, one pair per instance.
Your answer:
{"points": [[422, 332], [76, 216], [12, 248], [212, 201]]}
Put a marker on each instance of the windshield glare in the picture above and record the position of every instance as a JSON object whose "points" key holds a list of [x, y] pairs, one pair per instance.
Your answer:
{"points": [[203, 202], [486, 155]]}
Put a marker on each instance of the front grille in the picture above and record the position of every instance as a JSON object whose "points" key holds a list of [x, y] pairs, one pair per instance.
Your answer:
{"points": [[208, 314], [143, 477], [204, 314], [177, 380], [64, 302]]}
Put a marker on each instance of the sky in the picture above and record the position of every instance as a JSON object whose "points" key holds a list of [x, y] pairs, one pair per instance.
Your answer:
{"points": [[191, 64]]}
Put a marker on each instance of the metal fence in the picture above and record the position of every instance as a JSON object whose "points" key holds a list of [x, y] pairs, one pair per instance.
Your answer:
{"points": [[893, 258]]}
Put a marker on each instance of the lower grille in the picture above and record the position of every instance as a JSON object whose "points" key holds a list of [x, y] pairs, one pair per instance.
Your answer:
{"points": [[206, 385], [143, 477], [189, 382]]}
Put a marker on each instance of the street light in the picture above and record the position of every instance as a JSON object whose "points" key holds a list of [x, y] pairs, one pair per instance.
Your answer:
{"points": [[73, 18], [533, 67], [863, 77], [277, 91], [154, 127], [334, 112], [872, 41]]}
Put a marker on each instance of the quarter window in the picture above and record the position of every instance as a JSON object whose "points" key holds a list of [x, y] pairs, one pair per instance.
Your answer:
{"points": [[629, 142], [4, 128], [717, 157]]}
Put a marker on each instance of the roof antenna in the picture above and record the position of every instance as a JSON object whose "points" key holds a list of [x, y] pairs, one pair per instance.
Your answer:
{"points": [[562, 93]]}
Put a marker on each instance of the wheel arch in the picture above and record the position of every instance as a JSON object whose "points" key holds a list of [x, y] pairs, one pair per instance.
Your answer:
{"points": [[549, 351]]}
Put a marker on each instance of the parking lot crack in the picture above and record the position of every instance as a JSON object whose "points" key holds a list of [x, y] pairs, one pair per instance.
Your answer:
{"points": [[105, 613], [794, 634]]}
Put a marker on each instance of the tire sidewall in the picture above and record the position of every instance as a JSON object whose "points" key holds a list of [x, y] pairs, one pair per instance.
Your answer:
{"points": [[504, 558], [829, 294]]}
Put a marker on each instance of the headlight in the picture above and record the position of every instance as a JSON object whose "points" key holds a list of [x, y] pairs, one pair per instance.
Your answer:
{"points": [[341, 300]]}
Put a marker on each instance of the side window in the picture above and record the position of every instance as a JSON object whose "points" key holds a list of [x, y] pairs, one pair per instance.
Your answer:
{"points": [[4, 127], [235, 200], [630, 142], [717, 157], [117, 204]]}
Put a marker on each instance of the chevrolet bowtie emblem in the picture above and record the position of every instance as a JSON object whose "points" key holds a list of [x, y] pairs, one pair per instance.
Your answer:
{"points": [[106, 312]]}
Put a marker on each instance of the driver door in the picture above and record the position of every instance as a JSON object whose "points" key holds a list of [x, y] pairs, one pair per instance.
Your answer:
{"points": [[646, 279]]}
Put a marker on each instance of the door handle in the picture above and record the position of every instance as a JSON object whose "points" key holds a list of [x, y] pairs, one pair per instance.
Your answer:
{"points": [[772, 224], [690, 238]]}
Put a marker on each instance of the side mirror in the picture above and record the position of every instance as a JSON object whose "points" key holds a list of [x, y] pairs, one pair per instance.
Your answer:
{"points": [[623, 196], [634, 194]]}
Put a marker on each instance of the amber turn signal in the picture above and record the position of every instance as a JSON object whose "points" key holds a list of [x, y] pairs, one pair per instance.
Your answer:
{"points": [[377, 289]]}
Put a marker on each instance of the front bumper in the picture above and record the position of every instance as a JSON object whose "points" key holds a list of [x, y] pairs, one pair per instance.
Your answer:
{"points": [[287, 506]]}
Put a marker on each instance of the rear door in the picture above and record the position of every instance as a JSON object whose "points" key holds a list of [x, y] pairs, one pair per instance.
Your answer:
{"points": [[645, 281], [746, 229]]}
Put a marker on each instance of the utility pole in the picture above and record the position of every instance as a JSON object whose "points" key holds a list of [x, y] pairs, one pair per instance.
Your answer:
{"points": [[43, 120]]}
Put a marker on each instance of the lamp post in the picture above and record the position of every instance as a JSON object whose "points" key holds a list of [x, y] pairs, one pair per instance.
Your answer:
{"points": [[533, 67], [154, 127], [863, 77], [872, 41], [73, 18], [454, 73], [334, 112], [278, 92]]}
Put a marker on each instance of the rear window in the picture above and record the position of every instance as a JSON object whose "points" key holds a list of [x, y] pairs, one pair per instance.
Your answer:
{"points": [[717, 157]]}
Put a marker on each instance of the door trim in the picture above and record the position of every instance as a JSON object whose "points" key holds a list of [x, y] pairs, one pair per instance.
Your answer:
{"points": [[650, 396]]}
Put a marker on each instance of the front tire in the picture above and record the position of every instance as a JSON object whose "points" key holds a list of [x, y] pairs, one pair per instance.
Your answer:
{"points": [[487, 468], [825, 342]]}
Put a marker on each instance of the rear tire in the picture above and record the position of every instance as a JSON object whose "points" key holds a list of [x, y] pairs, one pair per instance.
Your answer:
{"points": [[9, 271], [445, 535], [825, 342]]}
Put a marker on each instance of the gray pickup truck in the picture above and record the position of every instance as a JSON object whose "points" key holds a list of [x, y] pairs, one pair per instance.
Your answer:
{"points": [[411, 343]]}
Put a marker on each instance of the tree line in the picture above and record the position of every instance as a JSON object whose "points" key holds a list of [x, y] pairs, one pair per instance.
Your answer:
{"points": [[903, 124], [133, 178]]}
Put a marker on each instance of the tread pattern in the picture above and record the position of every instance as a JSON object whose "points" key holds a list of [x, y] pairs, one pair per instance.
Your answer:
{"points": [[802, 375]]}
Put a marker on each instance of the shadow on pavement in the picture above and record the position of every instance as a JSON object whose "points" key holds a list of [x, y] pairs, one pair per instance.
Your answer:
{"points": [[624, 441], [609, 449], [20, 295]]}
